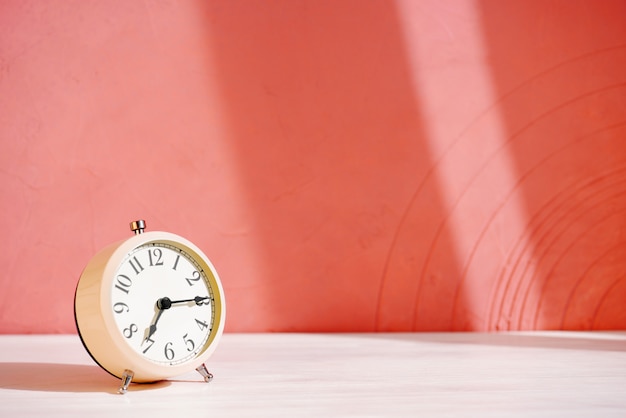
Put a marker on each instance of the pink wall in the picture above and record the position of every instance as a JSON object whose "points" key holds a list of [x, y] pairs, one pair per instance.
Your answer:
{"points": [[347, 165]]}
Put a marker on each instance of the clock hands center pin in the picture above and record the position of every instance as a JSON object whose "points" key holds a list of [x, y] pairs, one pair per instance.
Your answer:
{"points": [[165, 303]]}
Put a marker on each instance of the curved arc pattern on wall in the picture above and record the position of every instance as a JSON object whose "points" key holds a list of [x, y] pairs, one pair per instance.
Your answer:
{"points": [[551, 233], [413, 208], [547, 296], [507, 290]]}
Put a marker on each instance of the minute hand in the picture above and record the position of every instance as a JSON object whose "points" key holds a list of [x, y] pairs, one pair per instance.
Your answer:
{"points": [[199, 300]]}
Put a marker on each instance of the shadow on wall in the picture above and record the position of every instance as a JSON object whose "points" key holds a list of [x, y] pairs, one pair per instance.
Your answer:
{"points": [[428, 167], [534, 176], [330, 146], [562, 96]]}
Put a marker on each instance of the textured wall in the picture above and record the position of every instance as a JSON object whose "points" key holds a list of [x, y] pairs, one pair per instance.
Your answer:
{"points": [[347, 165]]}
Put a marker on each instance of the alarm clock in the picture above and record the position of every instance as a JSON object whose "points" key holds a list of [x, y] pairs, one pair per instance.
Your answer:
{"points": [[150, 307]]}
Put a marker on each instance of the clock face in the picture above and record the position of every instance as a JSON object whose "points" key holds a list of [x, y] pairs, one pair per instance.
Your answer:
{"points": [[163, 303]]}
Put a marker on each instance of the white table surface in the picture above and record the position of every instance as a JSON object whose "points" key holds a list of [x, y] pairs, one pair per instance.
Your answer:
{"points": [[541, 374]]}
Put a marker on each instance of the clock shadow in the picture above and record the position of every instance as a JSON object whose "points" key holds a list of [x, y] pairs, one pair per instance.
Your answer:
{"points": [[76, 378]]}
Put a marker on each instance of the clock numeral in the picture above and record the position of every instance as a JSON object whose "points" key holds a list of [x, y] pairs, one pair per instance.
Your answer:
{"points": [[189, 342], [202, 325], [123, 283], [136, 265], [128, 332], [158, 254], [195, 277], [120, 307], [169, 353], [151, 341], [176, 262]]}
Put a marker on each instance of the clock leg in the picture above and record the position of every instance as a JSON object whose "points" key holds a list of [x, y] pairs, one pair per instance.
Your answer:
{"points": [[205, 373], [127, 377]]}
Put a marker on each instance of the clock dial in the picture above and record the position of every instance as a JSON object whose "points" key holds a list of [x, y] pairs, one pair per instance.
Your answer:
{"points": [[163, 303]]}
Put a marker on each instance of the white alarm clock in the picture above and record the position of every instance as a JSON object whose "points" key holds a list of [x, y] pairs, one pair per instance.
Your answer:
{"points": [[150, 307]]}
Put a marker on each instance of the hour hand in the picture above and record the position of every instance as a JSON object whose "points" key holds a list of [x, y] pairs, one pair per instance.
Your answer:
{"points": [[153, 326]]}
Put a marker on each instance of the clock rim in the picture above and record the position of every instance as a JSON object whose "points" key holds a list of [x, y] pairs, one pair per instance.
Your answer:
{"points": [[93, 311]]}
